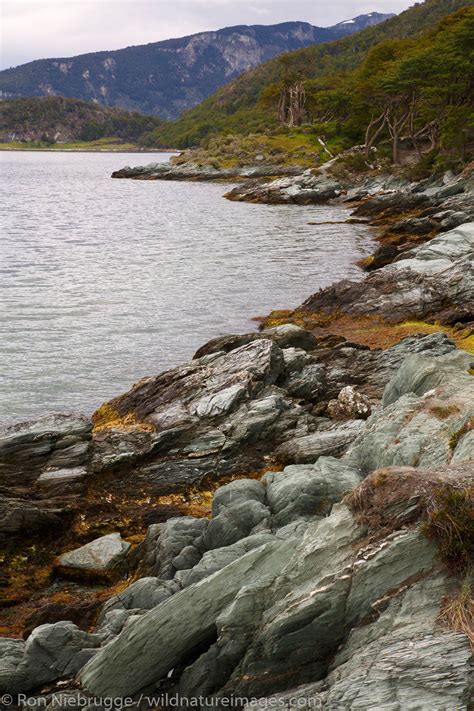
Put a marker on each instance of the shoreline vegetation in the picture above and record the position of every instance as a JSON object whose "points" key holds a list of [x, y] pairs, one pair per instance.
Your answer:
{"points": [[288, 516]]}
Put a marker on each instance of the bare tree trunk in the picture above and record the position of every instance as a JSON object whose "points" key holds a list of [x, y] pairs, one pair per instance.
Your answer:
{"points": [[291, 105], [378, 124], [395, 126], [413, 136], [283, 106]]}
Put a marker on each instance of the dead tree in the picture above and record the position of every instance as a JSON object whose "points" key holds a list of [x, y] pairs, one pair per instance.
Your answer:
{"points": [[291, 104]]}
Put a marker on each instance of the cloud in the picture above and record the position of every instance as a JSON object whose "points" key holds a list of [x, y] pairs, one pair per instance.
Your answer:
{"points": [[34, 29]]}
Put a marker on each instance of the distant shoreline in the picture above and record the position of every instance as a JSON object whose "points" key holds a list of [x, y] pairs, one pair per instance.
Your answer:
{"points": [[7, 149]]}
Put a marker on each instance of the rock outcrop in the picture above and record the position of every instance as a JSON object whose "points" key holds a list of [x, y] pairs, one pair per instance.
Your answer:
{"points": [[322, 581], [307, 188], [195, 172], [49, 444], [434, 281], [289, 590]]}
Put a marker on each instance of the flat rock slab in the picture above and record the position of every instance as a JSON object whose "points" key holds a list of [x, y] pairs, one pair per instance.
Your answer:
{"points": [[103, 554], [62, 481]]}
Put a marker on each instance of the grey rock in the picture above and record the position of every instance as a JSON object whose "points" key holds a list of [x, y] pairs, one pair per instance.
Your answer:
{"points": [[105, 553], [307, 623], [238, 511], [286, 336], [62, 481], [23, 517], [305, 189], [402, 660], [165, 542], [291, 336], [27, 449], [349, 404], [200, 413], [308, 490], [426, 403], [237, 493], [50, 653], [192, 171], [326, 607], [307, 449], [419, 374], [431, 279], [182, 622], [464, 449], [307, 384], [218, 558], [350, 364]]}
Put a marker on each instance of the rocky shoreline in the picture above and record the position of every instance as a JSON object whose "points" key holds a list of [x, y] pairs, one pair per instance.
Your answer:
{"points": [[285, 517], [194, 171]]}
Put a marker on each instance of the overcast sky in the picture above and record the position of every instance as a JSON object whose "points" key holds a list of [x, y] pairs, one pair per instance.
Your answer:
{"points": [[34, 29]]}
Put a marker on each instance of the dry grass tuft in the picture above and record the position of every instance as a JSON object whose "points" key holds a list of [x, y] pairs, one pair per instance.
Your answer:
{"points": [[449, 520], [457, 611], [442, 500], [459, 434], [442, 412]]}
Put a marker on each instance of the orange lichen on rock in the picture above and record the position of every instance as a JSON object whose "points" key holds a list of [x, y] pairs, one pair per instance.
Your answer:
{"points": [[367, 330], [107, 417]]}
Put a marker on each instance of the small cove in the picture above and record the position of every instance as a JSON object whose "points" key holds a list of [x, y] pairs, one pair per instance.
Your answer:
{"points": [[103, 281]]}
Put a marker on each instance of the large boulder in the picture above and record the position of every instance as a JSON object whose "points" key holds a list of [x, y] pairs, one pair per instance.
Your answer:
{"points": [[103, 554], [307, 491], [286, 336], [403, 659], [156, 642], [227, 412], [50, 652], [333, 594], [220, 414], [281, 624]]}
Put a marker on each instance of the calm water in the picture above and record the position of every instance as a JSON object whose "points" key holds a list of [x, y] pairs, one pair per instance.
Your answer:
{"points": [[104, 281]]}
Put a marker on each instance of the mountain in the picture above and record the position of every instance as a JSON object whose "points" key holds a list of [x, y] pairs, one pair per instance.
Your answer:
{"points": [[238, 106], [169, 77], [55, 119]]}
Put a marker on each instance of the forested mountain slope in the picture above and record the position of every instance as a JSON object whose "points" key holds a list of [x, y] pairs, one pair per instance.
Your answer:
{"points": [[245, 104], [169, 77]]}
